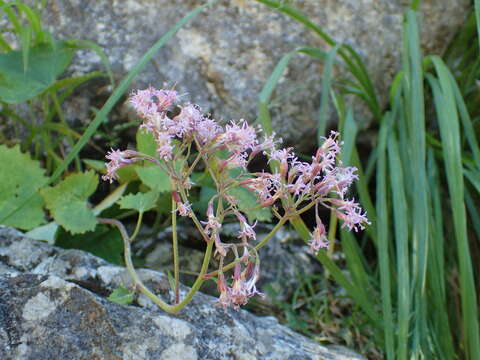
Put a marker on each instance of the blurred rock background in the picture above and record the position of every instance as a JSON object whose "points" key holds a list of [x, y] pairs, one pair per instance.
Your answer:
{"points": [[222, 59]]}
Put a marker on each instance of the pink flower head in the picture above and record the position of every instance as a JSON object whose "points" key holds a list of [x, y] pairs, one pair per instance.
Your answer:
{"points": [[268, 145], [184, 209], [270, 142], [236, 160], [118, 159], [239, 137], [243, 286], [327, 153], [164, 145], [222, 286], [351, 214], [207, 130], [283, 156], [246, 231], [220, 247], [155, 123], [212, 224], [265, 185], [185, 122], [344, 177], [150, 101], [319, 239]]}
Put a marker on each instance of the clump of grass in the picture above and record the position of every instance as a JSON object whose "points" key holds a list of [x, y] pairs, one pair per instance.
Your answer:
{"points": [[425, 175]]}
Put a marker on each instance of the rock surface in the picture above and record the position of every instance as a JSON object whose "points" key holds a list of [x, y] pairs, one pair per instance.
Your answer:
{"points": [[53, 306], [224, 56]]}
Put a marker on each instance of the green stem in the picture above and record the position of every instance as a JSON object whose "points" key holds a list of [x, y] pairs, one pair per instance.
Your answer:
{"points": [[175, 252], [200, 279], [192, 167], [137, 227], [131, 270], [332, 231], [194, 217], [138, 282], [256, 248], [69, 137]]}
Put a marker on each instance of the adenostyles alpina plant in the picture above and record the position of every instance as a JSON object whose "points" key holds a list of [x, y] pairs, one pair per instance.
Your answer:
{"points": [[186, 140]]}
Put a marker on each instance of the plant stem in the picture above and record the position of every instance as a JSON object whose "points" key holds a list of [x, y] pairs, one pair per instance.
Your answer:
{"points": [[194, 217], [139, 284], [69, 137], [175, 252], [256, 248], [199, 281], [128, 262], [137, 227], [332, 230], [194, 163]]}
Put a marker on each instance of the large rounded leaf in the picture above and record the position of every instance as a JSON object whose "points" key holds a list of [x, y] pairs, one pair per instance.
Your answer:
{"points": [[45, 63]]}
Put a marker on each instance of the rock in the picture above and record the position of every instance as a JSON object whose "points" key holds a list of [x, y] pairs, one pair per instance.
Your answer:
{"points": [[223, 57], [53, 306]]}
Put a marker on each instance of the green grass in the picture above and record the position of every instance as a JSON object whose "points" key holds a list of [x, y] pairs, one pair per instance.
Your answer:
{"points": [[426, 178]]}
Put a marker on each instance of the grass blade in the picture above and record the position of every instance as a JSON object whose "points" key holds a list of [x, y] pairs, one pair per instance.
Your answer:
{"points": [[366, 304], [450, 135], [400, 222], [473, 211], [436, 270], [382, 239], [416, 142], [85, 44], [477, 16], [326, 84], [468, 128]]}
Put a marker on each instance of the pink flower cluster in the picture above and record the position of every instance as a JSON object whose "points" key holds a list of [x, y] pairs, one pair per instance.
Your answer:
{"points": [[242, 288], [295, 185]]}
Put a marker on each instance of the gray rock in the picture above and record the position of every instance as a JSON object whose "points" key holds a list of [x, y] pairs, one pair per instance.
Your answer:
{"points": [[224, 56], [53, 306]]}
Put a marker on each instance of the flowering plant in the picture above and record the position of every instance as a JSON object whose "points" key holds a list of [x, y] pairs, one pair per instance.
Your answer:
{"points": [[187, 138]]}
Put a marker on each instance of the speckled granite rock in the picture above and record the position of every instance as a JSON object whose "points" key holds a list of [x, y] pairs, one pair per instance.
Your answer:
{"points": [[223, 57], [53, 306]]}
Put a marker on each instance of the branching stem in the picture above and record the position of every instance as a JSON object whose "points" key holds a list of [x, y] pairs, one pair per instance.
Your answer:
{"points": [[141, 286]]}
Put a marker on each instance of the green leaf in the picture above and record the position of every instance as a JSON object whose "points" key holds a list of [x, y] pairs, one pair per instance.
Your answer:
{"points": [[247, 202], [67, 202], [45, 64], [122, 296], [146, 143], [127, 174], [111, 199], [17, 185], [206, 193], [104, 242], [95, 165], [140, 201], [154, 177], [45, 232], [164, 204]]}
